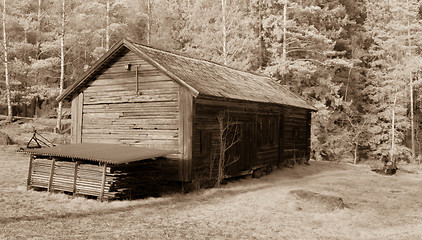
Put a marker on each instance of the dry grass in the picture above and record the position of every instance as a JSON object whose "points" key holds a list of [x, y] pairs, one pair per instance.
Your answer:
{"points": [[21, 130], [377, 207]]}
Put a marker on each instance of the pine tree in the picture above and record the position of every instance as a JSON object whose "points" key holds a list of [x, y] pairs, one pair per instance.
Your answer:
{"points": [[6, 72], [62, 36], [390, 25]]}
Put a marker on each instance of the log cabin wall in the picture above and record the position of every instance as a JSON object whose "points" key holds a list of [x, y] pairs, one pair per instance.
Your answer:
{"points": [[131, 107], [270, 135], [170, 101], [296, 135]]}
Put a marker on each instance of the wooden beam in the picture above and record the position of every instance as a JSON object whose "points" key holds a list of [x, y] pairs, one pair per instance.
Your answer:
{"points": [[80, 118], [75, 177], [103, 182], [28, 182], [74, 116], [185, 134], [137, 79], [50, 180], [308, 134], [77, 111]]}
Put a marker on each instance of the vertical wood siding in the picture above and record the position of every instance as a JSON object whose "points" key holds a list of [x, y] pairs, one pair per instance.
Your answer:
{"points": [[185, 132], [296, 134], [77, 107]]}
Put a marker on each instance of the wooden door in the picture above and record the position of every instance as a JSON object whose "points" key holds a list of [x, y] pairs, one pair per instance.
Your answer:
{"points": [[245, 149], [250, 145], [281, 140]]}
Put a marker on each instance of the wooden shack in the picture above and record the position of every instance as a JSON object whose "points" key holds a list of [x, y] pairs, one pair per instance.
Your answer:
{"points": [[147, 97], [104, 171]]}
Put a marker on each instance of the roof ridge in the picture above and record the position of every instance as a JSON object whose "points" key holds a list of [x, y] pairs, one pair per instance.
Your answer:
{"points": [[182, 54], [262, 78]]}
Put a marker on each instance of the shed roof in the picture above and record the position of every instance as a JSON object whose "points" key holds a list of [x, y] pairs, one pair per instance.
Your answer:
{"points": [[203, 77], [98, 152]]}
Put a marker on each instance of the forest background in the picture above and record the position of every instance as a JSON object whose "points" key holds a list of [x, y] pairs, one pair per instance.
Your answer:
{"points": [[357, 61]]}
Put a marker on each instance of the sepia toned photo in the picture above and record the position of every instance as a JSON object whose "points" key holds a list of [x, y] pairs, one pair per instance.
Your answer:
{"points": [[211, 119]]}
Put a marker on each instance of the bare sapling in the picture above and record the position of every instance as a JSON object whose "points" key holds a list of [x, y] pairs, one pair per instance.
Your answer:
{"points": [[6, 73], [229, 135], [358, 127]]}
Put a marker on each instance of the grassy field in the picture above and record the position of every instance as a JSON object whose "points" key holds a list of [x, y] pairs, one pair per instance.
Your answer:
{"points": [[377, 207]]}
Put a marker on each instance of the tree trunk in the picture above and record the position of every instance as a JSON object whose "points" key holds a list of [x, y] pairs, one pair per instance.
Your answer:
{"points": [[392, 129], [39, 30], [261, 57], [412, 118], [108, 25], [59, 110], [356, 153], [223, 7], [6, 73], [222, 153], [284, 56], [149, 22]]}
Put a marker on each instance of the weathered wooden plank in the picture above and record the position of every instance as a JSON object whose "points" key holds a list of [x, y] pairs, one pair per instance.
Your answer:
{"points": [[131, 131], [28, 181], [129, 97], [77, 109], [131, 127], [103, 181], [181, 139], [50, 180], [186, 132], [135, 107], [126, 81], [79, 118], [147, 88], [75, 177], [140, 137], [120, 65]]}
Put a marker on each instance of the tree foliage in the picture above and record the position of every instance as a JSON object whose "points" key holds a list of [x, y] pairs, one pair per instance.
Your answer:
{"points": [[351, 59]]}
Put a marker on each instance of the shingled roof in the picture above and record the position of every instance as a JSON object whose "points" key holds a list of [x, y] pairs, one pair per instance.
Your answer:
{"points": [[203, 77]]}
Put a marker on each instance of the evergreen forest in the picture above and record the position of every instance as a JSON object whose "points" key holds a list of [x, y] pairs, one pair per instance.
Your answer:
{"points": [[357, 61]]}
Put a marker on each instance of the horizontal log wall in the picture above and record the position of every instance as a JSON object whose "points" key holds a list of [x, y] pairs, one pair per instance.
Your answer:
{"points": [[206, 112], [124, 181], [114, 112], [295, 134]]}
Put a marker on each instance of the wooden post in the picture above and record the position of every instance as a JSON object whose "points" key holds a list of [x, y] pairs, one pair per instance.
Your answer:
{"points": [[103, 182], [28, 182], [186, 116], [137, 80], [77, 115], [75, 177], [50, 181]]}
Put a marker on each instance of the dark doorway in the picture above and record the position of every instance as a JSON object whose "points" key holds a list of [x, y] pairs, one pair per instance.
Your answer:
{"points": [[281, 140], [245, 149]]}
